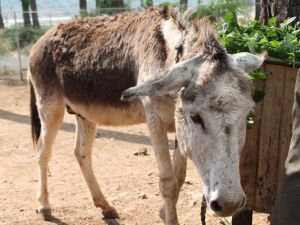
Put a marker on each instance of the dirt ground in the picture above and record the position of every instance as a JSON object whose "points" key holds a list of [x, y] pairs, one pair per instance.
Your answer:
{"points": [[128, 181]]}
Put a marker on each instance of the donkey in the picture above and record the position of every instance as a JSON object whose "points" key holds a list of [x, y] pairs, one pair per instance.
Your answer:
{"points": [[163, 66]]}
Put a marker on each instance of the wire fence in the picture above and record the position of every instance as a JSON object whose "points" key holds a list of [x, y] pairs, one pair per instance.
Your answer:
{"points": [[16, 39]]}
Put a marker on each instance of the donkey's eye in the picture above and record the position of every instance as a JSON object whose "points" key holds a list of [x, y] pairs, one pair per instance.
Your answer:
{"points": [[198, 119]]}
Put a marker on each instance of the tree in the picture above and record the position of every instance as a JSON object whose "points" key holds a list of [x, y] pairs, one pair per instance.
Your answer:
{"points": [[184, 3], [146, 3], [34, 14], [294, 9], [83, 8], [1, 18], [218, 9], [264, 11], [119, 4], [26, 14], [279, 8], [112, 4], [98, 4], [149, 3]]}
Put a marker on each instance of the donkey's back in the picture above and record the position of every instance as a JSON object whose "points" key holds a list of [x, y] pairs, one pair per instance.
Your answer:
{"points": [[88, 64]]}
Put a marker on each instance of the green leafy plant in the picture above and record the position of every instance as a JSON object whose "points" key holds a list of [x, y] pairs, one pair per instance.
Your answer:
{"points": [[281, 42], [176, 4]]}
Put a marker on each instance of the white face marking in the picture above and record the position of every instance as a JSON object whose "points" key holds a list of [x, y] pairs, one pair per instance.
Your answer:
{"points": [[211, 131]]}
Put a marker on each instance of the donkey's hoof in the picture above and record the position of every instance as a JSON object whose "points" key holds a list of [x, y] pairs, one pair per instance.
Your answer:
{"points": [[162, 215], [110, 213], [45, 214]]}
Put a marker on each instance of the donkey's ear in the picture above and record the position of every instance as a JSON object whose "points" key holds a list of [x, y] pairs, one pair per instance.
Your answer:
{"points": [[247, 61], [175, 79], [179, 76]]}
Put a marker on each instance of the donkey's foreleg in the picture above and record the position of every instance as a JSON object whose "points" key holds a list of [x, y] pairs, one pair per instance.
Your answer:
{"points": [[51, 118], [85, 134], [179, 163], [168, 183]]}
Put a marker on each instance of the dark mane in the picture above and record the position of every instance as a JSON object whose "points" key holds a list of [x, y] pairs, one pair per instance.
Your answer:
{"points": [[202, 39]]}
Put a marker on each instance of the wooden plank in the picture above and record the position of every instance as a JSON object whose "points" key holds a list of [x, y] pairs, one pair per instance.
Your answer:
{"points": [[243, 217], [269, 139], [286, 121], [276, 61], [249, 156]]}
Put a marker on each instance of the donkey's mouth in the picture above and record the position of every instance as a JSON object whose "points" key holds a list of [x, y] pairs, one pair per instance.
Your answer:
{"points": [[226, 209]]}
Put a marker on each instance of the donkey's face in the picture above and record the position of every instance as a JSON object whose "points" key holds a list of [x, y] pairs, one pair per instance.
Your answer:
{"points": [[211, 128], [211, 111]]}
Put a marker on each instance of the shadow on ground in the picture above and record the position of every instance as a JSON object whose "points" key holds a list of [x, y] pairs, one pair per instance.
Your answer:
{"points": [[69, 127]]}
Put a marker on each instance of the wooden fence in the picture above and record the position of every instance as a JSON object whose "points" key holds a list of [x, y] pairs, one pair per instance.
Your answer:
{"points": [[267, 142]]}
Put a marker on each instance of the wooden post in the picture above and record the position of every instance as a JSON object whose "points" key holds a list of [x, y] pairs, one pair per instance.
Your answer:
{"points": [[243, 217], [267, 142], [18, 46], [270, 138]]}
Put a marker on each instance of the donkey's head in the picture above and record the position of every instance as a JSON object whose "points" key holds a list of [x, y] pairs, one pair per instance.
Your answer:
{"points": [[214, 97]]}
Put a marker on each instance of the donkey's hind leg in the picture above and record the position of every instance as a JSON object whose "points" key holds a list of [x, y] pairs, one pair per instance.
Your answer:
{"points": [[85, 135], [51, 115]]}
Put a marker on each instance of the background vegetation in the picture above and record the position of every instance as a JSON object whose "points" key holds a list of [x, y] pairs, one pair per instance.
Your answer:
{"points": [[237, 33]]}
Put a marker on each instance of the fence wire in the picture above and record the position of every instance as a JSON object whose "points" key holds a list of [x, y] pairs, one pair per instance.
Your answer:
{"points": [[16, 39]]}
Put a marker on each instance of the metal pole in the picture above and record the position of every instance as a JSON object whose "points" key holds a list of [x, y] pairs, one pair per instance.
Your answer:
{"points": [[50, 18], [18, 46]]}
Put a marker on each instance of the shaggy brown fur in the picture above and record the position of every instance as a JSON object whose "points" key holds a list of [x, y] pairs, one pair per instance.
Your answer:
{"points": [[93, 60]]}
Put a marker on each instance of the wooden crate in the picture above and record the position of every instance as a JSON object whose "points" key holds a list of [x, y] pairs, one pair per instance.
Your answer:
{"points": [[267, 142]]}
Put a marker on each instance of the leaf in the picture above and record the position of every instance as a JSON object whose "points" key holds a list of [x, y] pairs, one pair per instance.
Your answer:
{"points": [[264, 40], [262, 75], [258, 95], [258, 74], [274, 44], [281, 42], [272, 21], [252, 45], [289, 20], [250, 120], [229, 18]]}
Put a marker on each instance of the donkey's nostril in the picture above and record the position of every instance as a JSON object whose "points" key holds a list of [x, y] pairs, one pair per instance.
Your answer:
{"points": [[214, 205]]}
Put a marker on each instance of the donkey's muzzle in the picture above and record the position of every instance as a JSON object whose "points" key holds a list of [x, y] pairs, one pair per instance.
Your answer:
{"points": [[226, 208]]}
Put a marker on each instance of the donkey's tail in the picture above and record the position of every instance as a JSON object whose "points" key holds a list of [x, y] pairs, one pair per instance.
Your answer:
{"points": [[34, 114]]}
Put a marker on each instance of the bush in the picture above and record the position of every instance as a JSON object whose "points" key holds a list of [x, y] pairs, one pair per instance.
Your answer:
{"points": [[27, 35], [281, 42], [216, 10]]}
